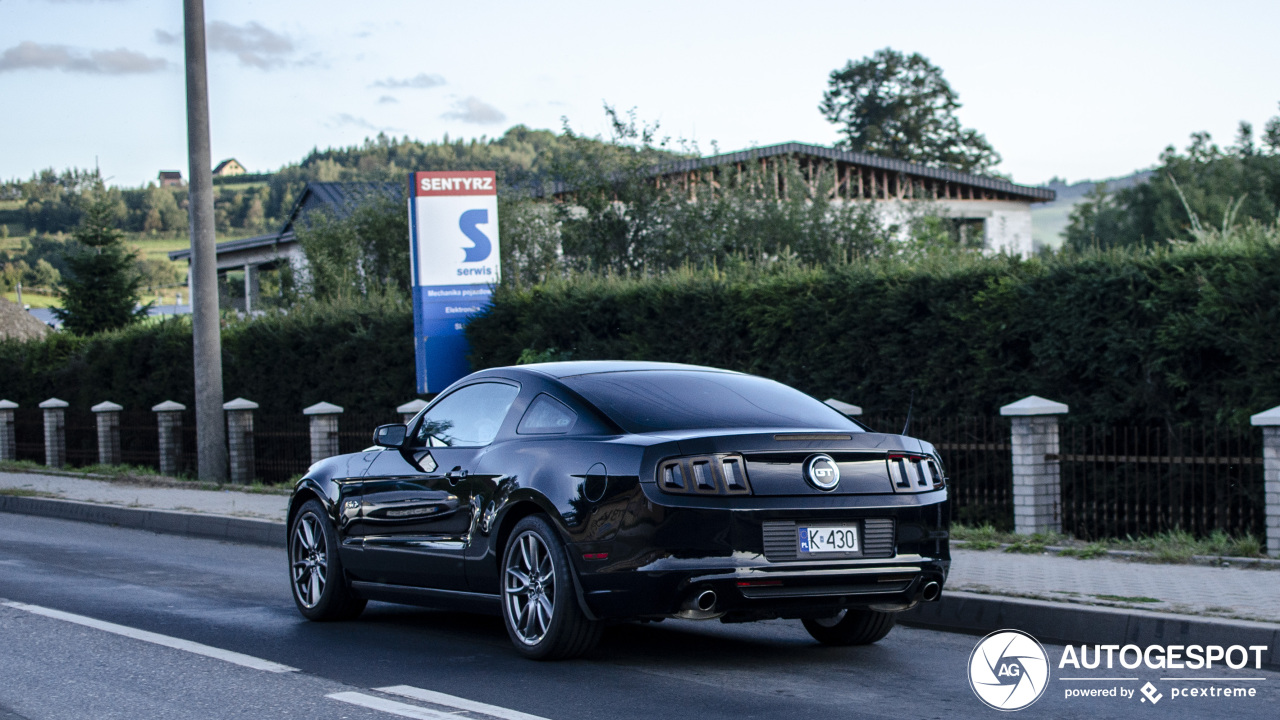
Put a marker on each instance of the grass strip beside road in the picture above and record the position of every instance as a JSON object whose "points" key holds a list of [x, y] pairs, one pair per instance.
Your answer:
{"points": [[140, 475], [1174, 546]]}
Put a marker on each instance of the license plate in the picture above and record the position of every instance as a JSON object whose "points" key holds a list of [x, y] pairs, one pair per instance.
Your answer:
{"points": [[829, 539]]}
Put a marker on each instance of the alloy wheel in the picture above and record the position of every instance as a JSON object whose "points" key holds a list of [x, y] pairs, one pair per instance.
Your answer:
{"points": [[529, 587], [309, 560]]}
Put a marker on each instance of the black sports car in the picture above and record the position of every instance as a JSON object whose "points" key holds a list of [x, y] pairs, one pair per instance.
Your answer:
{"points": [[565, 495]]}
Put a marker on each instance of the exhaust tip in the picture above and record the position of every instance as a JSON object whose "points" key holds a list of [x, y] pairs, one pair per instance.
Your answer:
{"points": [[931, 591], [705, 601]]}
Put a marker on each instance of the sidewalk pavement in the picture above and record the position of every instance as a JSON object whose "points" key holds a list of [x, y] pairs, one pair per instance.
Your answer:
{"points": [[1228, 592], [231, 503], [222, 514], [1065, 598]]}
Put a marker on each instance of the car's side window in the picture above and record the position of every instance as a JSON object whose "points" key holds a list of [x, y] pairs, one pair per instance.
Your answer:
{"points": [[469, 417], [546, 416]]}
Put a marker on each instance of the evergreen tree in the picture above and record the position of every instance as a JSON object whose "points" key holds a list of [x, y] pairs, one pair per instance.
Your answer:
{"points": [[100, 290]]}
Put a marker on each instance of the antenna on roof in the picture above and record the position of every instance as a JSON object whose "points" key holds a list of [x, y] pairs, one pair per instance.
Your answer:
{"points": [[910, 404]]}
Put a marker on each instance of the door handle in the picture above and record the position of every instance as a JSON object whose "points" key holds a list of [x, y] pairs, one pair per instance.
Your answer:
{"points": [[454, 475]]}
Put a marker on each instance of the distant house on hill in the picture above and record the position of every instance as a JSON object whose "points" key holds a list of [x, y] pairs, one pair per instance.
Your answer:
{"points": [[171, 178], [995, 210], [229, 167], [273, 250]]}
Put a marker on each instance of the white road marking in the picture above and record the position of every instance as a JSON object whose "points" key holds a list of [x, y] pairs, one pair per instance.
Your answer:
{"points": [[391, 706], [456, 702], [176, 643]]}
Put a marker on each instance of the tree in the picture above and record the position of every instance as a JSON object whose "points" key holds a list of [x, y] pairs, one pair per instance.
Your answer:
{"points": [[100, 290], [1271, 134], [359, 252], [1204, 184], [899, 106]]}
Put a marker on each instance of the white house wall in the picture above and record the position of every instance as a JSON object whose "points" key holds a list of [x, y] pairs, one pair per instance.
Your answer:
{"points": [[1006, 223]]}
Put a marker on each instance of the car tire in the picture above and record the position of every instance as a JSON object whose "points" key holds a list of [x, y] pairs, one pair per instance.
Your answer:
{"points": [[319, 585], [851, 627], [539, 604]]}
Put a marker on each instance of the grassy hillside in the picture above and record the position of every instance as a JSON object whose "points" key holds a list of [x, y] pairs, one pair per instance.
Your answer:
{"points": [[1049, 220]]}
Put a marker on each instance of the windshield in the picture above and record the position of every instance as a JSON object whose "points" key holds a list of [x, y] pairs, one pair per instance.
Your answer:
{"points": [[648, 401]]}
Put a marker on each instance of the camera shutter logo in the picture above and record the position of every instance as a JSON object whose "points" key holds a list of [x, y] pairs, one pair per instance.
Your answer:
{"points": [[1008, 670], [822, 472]]}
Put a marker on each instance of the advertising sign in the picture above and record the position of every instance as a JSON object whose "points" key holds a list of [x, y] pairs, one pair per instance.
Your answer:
{"points": [[453, 229]]}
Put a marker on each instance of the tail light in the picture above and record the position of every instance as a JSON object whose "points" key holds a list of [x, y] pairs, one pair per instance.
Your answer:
{"points": [[914, 473], [704, 475]]}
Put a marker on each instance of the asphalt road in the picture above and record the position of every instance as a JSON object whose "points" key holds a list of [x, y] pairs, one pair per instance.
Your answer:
{"points": [[235, 598]]}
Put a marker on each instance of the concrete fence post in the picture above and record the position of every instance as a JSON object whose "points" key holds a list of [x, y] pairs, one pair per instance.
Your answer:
{"points": [[8, 435], [108, 417], [240, 439], [169, 425], [410, 409], [324, 430], [55, 432], [1269, 421], [1037, 471]]}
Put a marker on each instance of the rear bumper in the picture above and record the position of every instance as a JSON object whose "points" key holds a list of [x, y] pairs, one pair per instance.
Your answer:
{"points": [[765, 592], [658, 568]]}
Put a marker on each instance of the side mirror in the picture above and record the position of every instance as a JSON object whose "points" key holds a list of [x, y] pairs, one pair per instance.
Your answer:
{"points": [[390, 436]]}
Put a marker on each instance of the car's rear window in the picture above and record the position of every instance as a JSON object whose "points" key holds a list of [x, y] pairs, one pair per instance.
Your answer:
{"points": [[648, 401]]}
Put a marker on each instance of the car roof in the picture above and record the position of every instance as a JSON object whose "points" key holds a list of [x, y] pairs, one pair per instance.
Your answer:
{"points": [[560, 370]]}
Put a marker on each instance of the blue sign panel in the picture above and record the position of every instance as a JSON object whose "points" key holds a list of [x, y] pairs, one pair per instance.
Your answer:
{"points": [[453, 225]]}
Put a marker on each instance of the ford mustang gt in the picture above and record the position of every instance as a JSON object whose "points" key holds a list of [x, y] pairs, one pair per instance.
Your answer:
{"points": [[564, 496]]}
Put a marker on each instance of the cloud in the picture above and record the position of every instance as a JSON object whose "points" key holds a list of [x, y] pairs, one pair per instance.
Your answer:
{"points": [[29, 55], [251, 43], [347, 119], [474, 110], [421, 81], [387, 100]]}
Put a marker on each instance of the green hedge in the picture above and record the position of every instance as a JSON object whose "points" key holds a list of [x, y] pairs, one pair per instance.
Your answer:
{"points": [[1190, 334], [359, 357]]}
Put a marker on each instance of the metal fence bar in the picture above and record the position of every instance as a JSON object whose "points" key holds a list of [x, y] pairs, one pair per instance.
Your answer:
{"points": [[1140, 480], [281, 446]]}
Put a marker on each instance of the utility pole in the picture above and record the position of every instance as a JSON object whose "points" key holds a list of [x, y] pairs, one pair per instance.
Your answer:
{"points": [[211, 433]]}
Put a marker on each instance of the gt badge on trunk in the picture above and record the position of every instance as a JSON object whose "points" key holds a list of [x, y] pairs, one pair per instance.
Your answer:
{"points": [[822, 472]]}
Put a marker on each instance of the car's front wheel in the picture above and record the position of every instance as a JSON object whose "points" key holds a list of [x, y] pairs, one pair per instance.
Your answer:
{"points": [[319, 586], [850, 627], [538, 603]]}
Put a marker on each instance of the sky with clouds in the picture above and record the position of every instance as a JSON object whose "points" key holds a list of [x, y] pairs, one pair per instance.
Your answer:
{"points": [[1074, 89]]}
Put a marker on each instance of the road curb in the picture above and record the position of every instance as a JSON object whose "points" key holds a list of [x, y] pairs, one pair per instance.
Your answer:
{"points": [[170, 522], [1068, 623]]}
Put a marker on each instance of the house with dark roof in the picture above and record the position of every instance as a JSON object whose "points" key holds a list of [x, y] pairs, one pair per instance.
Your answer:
{"points": [[995, 211], [171, 178], [229, 167], [269, 252]]}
